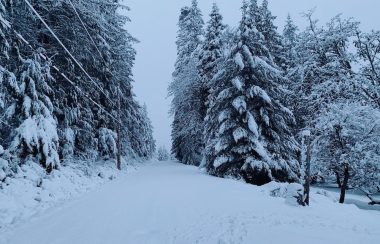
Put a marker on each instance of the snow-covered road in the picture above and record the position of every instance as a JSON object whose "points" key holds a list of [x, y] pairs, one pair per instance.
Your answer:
{"points": [[164, 203]]}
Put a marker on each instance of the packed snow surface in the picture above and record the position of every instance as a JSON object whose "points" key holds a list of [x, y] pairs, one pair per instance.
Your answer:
{"points": [[166, 203]]}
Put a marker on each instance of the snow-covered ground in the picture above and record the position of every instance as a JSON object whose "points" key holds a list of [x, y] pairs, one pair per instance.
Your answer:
{"points": [[169, 203], [32, 192], [353, 196]]}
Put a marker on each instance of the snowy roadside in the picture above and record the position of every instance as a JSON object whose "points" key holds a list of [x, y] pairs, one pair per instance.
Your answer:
{"points": [[32, 192], [171, 203]]}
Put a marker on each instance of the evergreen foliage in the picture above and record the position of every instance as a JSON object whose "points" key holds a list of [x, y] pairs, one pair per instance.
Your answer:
{"points": [[264, 95], [46, 118], [187, 89]]}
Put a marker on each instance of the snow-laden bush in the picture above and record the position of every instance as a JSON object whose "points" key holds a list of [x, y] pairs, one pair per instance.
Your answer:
{"points": [[68, 144], [292, 193], [107, 143]]}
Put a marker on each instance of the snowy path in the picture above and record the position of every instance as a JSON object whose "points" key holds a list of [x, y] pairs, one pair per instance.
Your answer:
{"points": [[168, 203]]}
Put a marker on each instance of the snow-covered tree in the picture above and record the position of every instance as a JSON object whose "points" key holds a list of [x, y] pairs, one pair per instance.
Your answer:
{"points": [[7, 80], [187, 90], [163, 154], [272, 38], [107, 143], [254, 138], [324, 72], [85, 111], [347, 146], [4, 28], [290, 39], [36, 136], [368, 51], [140, 132], [211, 55]]}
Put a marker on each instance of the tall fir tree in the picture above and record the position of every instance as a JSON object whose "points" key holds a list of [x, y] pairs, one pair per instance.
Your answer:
{"points": [[187, 89], [254, 137], [289, 37], [273, 40], [210, 57]]}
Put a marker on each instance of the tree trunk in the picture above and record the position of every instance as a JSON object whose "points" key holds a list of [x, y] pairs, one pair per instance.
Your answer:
{"points": [[344, 184], [338, 181]]}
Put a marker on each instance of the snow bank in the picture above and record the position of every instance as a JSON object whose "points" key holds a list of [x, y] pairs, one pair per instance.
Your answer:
{"points": [[31, 191], [290, 192]]}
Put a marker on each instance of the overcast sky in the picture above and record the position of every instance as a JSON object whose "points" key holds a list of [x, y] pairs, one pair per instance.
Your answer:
{"points": [[154, 23]]}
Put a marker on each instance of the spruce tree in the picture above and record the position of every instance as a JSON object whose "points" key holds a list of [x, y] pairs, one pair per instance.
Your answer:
{"points": [[36, 136], [187, 90], [254, 138], [290, 37], [272, 38], [85, 131], [210, 57]]}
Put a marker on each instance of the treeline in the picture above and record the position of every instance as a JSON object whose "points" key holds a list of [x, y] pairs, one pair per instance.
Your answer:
{"points": [[256, 104], [54, 110]]}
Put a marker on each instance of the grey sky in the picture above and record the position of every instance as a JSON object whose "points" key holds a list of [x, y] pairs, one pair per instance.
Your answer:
{"points": [[154, 23]]}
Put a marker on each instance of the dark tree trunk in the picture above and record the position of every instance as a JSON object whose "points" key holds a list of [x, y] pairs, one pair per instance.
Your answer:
{"points": [[344, 184], [338, 181]]}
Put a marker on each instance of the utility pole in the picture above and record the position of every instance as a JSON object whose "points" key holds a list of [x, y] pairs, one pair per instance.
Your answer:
{"points": [[118, 156]]}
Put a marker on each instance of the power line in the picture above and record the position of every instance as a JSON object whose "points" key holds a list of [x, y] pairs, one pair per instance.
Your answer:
{"points": [[118, 119], [66, 50], [118, 89], [62, 74], [88, 33]]}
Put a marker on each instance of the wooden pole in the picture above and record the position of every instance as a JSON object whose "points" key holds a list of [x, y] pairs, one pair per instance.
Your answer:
{"points": [[307, 173], [118, 156]]}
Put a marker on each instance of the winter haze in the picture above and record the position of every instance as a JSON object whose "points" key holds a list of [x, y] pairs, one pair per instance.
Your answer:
{"points": [[156, 52]]}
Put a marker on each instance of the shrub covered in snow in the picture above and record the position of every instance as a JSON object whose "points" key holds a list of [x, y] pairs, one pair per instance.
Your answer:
{"points": [[292, 193]]}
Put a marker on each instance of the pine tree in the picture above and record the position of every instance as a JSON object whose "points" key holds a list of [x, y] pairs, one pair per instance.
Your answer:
{"points": [[85, 131], [139, 133], [187, 89], [211, 55], [290, 37], [254, 138], [273, 40], [7, 82], [4, 26], [36, 135]]}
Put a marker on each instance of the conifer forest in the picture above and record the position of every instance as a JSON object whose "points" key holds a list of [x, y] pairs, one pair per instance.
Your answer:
{"points": [[275, 122]]}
